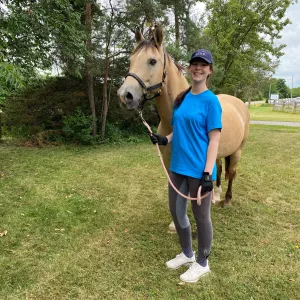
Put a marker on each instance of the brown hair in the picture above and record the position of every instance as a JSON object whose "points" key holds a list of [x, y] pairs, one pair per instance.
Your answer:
{"points": [[180, 97]]}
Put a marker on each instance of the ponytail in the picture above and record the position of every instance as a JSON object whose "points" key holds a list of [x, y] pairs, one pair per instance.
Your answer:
{"points": [[180, 97]]}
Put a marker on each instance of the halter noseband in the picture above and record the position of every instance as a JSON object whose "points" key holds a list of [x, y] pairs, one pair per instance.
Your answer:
{"points": [[153, 87]]}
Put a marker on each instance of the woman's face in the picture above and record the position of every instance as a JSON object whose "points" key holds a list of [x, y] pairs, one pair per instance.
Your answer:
{"points": [[200, 70]]}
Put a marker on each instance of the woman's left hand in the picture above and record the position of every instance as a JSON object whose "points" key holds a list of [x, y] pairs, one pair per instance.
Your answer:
{"points": [[206, 183]]}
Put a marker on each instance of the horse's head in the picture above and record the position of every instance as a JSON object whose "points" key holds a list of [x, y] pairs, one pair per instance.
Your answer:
{"points": [[147, 70]]}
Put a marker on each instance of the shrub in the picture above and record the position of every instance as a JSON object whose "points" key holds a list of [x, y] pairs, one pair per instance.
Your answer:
{"points": [[78, 128], [42, 105]]}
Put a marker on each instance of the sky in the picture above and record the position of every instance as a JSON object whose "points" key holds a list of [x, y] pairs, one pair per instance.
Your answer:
{"points": [[289, 68]]}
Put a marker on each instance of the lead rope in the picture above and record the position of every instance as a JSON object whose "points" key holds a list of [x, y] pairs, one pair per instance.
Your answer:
{"points": [[199, 197]]}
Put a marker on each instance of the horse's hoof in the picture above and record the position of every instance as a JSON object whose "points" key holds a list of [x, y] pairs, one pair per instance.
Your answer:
{"points": [[172, 227], [215, 201], [225, 203]]}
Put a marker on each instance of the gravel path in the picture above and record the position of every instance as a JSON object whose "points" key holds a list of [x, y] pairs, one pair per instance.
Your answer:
{"points": [[293, 124]]}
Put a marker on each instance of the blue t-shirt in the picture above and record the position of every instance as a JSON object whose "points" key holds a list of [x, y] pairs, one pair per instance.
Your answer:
{"points": [[196, 116]]}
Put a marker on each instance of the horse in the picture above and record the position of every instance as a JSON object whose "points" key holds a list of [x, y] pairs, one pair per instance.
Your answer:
{"points": [[152, 70]]}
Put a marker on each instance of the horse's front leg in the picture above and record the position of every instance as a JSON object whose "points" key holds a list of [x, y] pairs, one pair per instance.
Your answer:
{"points": [[218, 189], [166, 154]]}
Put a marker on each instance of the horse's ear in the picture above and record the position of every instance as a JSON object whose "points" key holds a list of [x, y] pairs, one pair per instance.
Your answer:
{"points": [[139, 36], [158, 35]]}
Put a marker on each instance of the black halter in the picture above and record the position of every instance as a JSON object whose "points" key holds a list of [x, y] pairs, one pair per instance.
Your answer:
{"points": [[151, 88]]}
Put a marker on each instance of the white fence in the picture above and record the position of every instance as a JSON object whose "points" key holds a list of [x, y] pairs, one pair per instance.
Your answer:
{"points": [[288, 105]]}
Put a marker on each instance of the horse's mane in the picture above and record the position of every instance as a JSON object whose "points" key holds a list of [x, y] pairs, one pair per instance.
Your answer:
{"points": [[146, 44]]}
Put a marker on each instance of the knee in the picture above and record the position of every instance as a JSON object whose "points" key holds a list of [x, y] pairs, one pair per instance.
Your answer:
{"points": [[203, 221]]}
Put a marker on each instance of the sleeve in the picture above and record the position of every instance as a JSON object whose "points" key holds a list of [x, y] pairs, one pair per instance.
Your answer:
{"points": [[214, 115]]}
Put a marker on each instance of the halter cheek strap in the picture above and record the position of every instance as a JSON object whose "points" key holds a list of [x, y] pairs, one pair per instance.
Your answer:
{"points": [[153, 87]]}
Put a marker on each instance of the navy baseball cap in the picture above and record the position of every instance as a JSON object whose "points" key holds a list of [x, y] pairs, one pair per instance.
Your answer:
{"points": [[202, 54]]}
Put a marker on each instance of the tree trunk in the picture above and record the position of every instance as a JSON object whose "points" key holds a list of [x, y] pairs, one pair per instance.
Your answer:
{"points": [[176, 15], [109, 31], [105, 92], [88, 71], [0, 126]]}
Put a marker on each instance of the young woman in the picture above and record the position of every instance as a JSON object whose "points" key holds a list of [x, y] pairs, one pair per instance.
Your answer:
{"points": [[197, 123]]}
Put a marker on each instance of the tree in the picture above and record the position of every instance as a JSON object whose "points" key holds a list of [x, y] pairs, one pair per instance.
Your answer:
{"points": [[88, 62], [39, 33], [110, 24], [10, 80], [282, 88], [242, 33], [296, 92], [184, 29]]}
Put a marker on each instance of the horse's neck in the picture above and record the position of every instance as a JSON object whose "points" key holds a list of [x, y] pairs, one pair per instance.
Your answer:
{"points": [[175, 83]]}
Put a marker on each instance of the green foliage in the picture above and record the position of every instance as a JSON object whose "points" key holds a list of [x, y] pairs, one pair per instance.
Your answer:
{"points": [[77, 128], [42, 105], [282, 88], [266, 104], [242, 35], [296, 92], [276, 86], [122, 133], [10, 79], [40, 33]]}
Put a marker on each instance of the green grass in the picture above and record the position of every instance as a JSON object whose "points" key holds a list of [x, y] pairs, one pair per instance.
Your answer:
{"points": [[266, 113], [91, 223]]}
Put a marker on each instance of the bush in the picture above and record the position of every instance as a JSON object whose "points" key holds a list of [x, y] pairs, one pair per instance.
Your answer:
{"points": [[42, 105], [117, 135], [266, 105], [77, 128]]}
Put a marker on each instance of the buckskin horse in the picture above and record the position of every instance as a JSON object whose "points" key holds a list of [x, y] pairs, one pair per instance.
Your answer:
{"points": [[152, 71]]}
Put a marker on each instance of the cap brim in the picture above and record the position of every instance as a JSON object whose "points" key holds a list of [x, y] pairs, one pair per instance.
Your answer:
{"points": [[198, 59]]}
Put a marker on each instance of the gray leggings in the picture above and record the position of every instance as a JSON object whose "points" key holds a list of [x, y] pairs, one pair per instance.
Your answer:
{"points": [[178, 208]]}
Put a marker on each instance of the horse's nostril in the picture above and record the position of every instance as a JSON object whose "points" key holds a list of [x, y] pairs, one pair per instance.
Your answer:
{"points": [[128, 97]]}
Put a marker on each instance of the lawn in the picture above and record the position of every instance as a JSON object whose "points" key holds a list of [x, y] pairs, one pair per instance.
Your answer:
{"points": [[266, 113], [91, 223]]}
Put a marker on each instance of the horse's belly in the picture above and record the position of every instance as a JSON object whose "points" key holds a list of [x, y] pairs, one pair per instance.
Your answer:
{"points": [[235, 119], [226, 148], [232, 136]]}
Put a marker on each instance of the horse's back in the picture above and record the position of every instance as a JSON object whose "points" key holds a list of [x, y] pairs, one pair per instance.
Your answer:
{"points": [[235, 122]]}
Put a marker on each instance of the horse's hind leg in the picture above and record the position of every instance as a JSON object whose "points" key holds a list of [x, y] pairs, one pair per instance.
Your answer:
{"points": [[230, 167], [218, 188]]}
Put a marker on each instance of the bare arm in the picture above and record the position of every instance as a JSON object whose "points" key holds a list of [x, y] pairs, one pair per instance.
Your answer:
{"points": [[212, 151], [170, 137]]}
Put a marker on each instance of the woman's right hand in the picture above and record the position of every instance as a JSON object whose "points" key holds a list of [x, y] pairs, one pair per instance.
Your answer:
{"points": [[158, 139]]}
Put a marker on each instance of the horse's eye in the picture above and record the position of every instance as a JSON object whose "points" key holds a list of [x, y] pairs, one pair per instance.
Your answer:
{"points": [[152, 61]]}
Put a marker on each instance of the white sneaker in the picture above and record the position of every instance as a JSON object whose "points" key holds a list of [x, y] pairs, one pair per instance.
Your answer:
{"points": [[180, 260], [194, 273]]}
